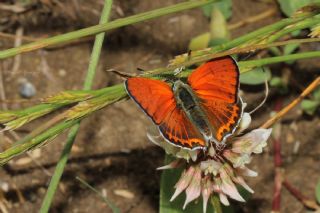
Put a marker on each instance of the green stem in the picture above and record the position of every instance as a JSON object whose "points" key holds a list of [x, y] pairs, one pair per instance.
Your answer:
{"points": [[103, 27], [256, 34], [273, 60], [304, 24], [74, 130], [114, 208], [215, 201], [35, 141]]}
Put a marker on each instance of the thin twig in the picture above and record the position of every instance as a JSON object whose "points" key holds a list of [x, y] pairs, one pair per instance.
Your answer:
{"points": [[252, 19], [114, 208], [12, 8], [264, 99], [285, 110], [121, 74], [307, 202], [17, 58], [13, 37]]}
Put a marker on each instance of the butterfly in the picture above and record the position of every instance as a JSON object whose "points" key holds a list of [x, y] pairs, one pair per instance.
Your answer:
{"points": [[203, 111]]}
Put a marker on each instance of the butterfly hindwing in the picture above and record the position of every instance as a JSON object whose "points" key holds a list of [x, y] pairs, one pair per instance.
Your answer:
{"points": [[224, 117], [216, 84], [157, 101], [178, 130]]}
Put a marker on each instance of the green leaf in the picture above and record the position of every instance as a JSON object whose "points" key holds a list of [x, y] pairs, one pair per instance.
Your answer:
{"points": [[225, 6], [316, 94], [318, 191], [288, 7], [275, 51], [168, 180], [217, 41], [309, 106], [289, 49], [256, 76], [278, 83], [200, 42], [218, 25]]}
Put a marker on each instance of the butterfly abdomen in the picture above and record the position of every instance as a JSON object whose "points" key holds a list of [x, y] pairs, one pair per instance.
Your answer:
{"points": [[189, 103]]}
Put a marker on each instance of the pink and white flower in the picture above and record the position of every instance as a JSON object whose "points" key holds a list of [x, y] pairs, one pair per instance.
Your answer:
{"points": [[216, 173]]}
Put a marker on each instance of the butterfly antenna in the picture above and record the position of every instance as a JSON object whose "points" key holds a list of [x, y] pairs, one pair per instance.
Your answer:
{"points": [[265, 97], [140, 69], [121, 74]]}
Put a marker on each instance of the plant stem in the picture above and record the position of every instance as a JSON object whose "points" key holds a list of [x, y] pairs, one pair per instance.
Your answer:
{"points": [[74, 130], [307, 202], [285, 110], [103, 27], [284, 58], [215, 201], [114, 208]]}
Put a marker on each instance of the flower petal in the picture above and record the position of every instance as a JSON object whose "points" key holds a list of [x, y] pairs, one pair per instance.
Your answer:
{"points": [[194, 189], [159, 141], [174, 164], [253, 141], [237, 160], [224, 200], [240, 180], [228, 186], [206, 192], [244, 123], [210, 166], [244, 171], [183, 182]]}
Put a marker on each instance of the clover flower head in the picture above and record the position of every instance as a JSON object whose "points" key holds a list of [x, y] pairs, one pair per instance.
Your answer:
{"points": [[216, 172]]}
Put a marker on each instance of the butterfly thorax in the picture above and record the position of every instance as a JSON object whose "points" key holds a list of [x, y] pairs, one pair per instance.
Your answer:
{"points": [[190, 104]]}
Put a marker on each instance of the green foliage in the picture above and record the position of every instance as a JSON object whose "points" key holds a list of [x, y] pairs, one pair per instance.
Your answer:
{"points": [[225, 6], [316, 94], [289, 7], [279, 83], [257, 76], [318, 191], [289, 49], [218, 34], [310, 106], [199, 42]]}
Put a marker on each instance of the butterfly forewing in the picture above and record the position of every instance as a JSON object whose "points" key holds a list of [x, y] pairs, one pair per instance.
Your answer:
{"points": [[216, 84], [216, 80], [157, 100]]}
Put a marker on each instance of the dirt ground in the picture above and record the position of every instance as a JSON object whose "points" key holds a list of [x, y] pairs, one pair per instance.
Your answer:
{"points": [[111, 151]]}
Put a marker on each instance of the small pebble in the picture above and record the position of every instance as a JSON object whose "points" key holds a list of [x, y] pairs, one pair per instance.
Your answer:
{"points": [[124, 193], [4, 186], [62, 72], [26, 89]]}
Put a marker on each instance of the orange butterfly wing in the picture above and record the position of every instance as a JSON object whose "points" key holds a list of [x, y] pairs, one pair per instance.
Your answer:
{"points": [[216, 83], [157, 101]]}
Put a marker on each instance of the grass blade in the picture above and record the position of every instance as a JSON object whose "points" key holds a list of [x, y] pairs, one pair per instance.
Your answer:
{"points": [[74, 130], [103, 198], [103, 27]]}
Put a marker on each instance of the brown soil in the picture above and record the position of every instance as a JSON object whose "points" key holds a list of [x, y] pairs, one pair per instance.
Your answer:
{"points": [[111, 150]]}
